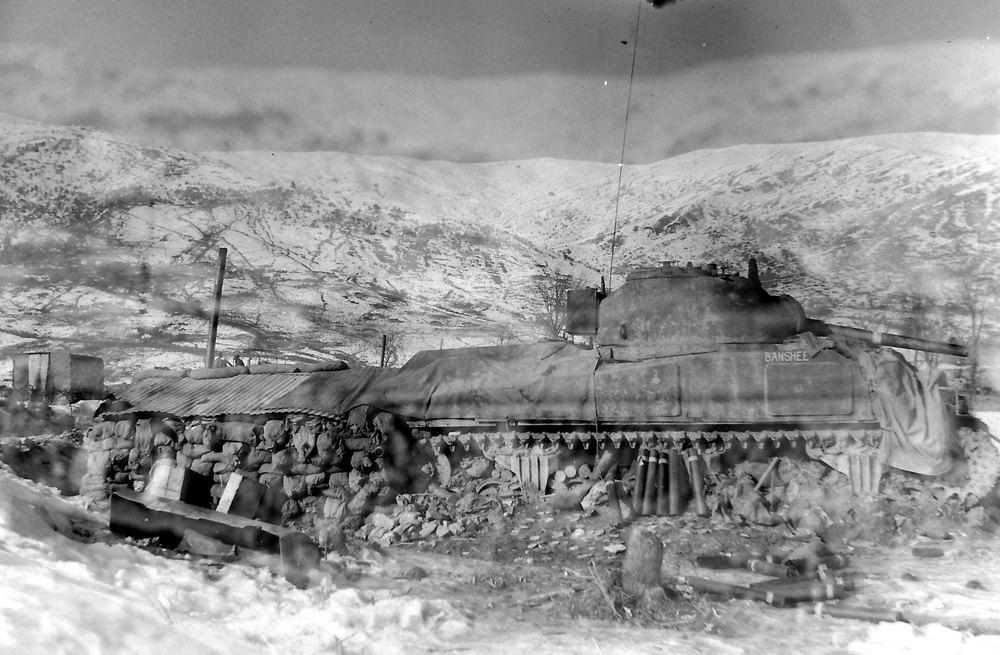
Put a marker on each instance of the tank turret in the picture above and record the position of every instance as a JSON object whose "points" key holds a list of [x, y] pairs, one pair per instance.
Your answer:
{"points": [[672, 309]]}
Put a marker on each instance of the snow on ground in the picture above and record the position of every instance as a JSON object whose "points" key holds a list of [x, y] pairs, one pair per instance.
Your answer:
{"points": [[58, 595], [95, 594], [992, 421]]}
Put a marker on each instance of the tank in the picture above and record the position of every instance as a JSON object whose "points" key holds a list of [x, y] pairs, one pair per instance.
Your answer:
{"points": [[688, 363]]}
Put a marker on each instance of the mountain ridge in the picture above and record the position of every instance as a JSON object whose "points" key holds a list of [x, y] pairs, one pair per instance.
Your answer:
{"points": [[111, 246]]}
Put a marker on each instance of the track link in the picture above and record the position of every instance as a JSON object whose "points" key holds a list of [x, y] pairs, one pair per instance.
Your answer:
{"points": [[824, 440]]}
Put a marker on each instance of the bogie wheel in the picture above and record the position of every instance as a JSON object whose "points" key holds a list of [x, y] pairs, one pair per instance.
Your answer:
{"points": [[977, 466]]}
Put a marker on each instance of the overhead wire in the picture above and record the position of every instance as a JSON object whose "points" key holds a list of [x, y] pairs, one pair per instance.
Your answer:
{"points": [[621, 159]]}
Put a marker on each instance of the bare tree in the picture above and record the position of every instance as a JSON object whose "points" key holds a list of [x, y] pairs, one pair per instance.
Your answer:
{"points": [[917, 320], [979, 297], [550, 287], [386, 348]]}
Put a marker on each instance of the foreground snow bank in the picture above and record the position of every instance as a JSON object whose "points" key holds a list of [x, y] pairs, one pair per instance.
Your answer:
{"points": [[59, 595]]}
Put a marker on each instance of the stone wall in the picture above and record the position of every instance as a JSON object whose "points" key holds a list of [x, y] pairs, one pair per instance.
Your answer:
{"points": [[320, 468]]}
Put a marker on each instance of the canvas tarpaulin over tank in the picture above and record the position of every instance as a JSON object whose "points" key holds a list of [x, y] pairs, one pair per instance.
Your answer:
{"points": [[910, 408], [544, 381]]}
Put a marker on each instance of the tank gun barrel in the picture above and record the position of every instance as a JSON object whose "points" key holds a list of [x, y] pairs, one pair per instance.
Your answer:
{"points": [[885, 339]]}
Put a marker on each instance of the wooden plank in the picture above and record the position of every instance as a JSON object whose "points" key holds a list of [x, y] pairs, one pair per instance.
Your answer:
{"points": [[139, 515]]}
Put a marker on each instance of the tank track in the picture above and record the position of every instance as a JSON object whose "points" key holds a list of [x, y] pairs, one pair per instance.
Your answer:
{"points": [[826, 440], [982, 458]]}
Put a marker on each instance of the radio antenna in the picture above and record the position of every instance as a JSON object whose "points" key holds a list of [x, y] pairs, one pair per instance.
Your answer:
{"points": [[621, 159]]}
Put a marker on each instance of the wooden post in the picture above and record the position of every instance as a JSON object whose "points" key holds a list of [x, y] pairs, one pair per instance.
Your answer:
{"points": [[213, 327], [643, 559]]}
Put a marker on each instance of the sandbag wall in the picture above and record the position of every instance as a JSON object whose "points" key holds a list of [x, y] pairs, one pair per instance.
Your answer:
{"points": [[329, 468]]}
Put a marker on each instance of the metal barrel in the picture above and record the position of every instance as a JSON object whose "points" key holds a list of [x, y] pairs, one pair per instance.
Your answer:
{"points": [[676, 469], [885, 339], [861, 613], [662, 500], [734, 561], [808, 590], [770, 568], [810, 564], [848, 580], [640, 483], [733, 591], [649, 493]]}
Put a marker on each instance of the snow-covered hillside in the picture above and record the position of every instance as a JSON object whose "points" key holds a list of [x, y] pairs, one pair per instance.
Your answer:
{"points": [[111, 246]]}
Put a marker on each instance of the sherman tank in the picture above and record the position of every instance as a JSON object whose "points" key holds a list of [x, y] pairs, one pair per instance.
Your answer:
{"points": [[683, 364]]}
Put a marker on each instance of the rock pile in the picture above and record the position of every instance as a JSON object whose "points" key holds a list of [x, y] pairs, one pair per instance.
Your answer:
{"points": [[466, 500]]}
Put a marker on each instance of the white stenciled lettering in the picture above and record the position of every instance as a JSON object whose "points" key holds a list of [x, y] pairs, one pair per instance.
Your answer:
{"points": [[786, 356]]}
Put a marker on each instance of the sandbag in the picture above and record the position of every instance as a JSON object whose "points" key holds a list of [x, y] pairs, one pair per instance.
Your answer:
{"points": [[240, 431], [216, 373], [255, 369], [325, 365], [274, 436], [160, 373]]}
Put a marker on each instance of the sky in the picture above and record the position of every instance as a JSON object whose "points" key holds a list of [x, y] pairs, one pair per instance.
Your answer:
{"points": [[476, 37]]}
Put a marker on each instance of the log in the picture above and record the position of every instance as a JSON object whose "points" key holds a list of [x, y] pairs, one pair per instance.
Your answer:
{"points": [[696, 464], [610, 458], [643, 559]]}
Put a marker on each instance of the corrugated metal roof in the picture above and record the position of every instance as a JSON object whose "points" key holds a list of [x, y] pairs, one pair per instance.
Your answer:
{"points": [[185, 397]]}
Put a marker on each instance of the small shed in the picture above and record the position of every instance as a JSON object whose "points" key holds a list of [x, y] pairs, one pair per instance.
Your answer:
{"points": [[58, 374]]}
